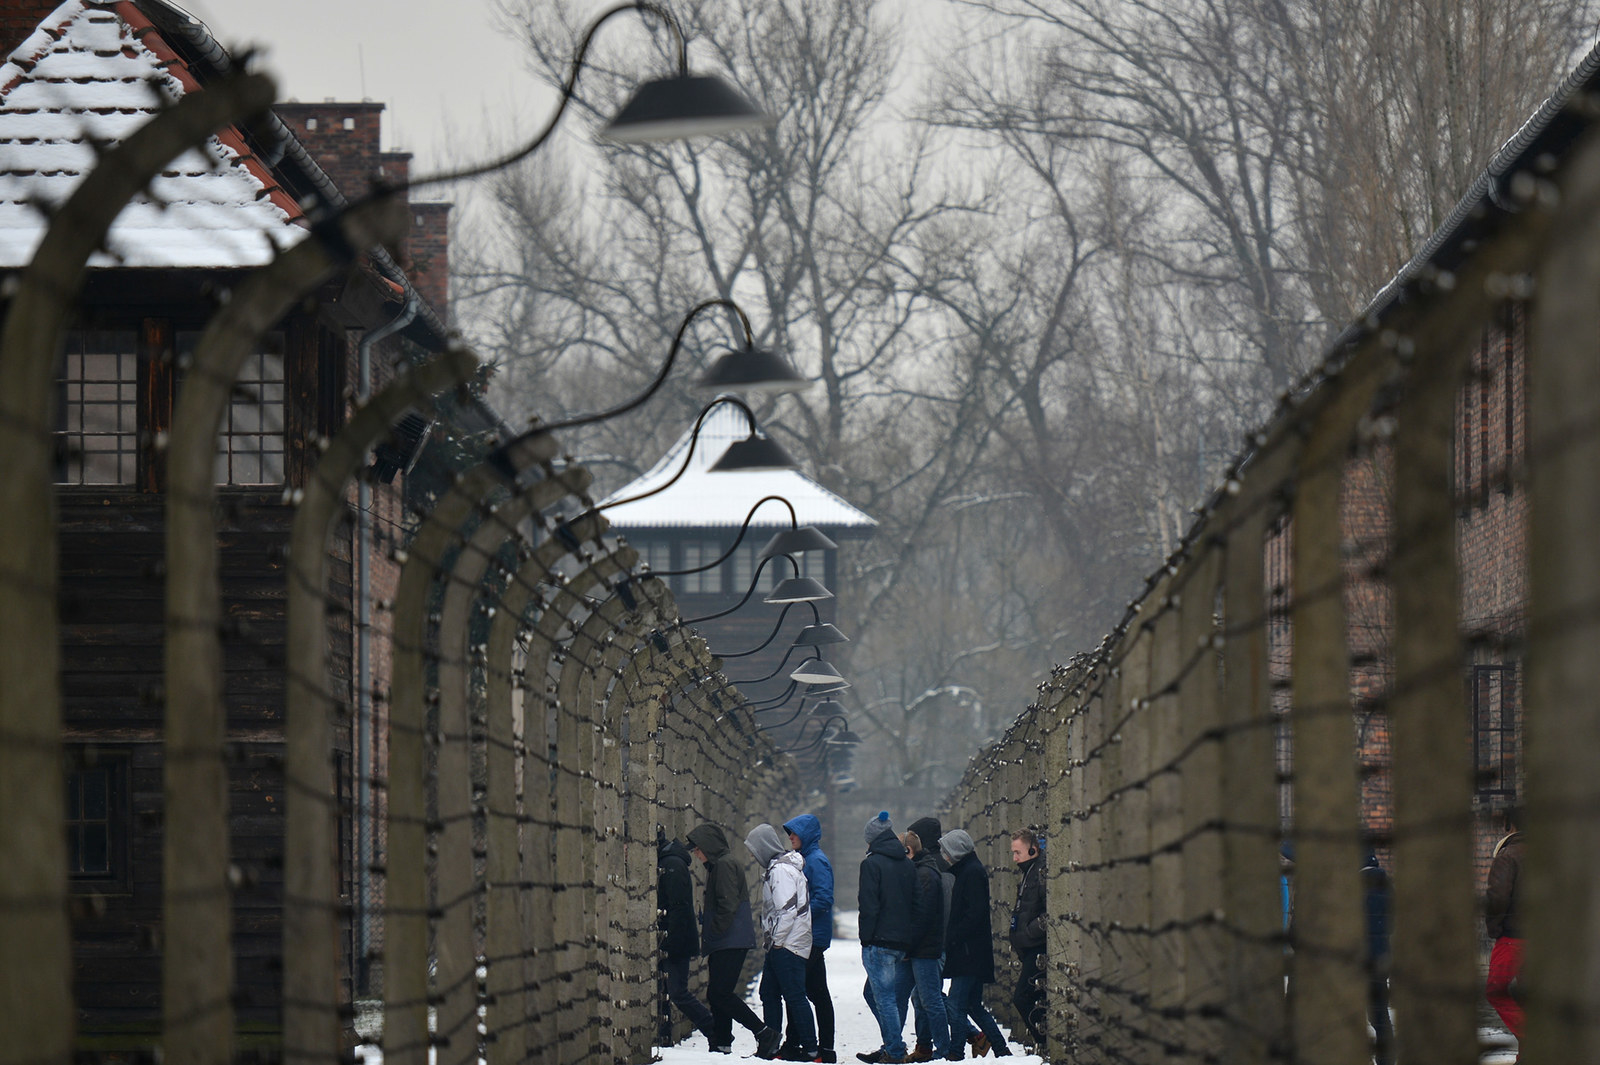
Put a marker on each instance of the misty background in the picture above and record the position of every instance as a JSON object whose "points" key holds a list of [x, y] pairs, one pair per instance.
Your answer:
{"points": [[1048, 261]]}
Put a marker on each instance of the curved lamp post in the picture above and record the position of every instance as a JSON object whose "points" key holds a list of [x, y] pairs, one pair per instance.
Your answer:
{"points": [[795, 589], [816, 671], [672, 108], [814, 635], [842, 737], [762, 372]]}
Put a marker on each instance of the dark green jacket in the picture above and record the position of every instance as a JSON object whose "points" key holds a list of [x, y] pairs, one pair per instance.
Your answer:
{"points": [[725, 919]]}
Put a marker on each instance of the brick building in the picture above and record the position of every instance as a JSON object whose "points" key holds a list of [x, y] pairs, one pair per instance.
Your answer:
{"points": [[1489, 449], [80, 72]]}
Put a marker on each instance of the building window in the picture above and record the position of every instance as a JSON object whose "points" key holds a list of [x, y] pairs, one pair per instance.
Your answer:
{"points": [[1495, 735], [698, 553], [250, 443], [97, 818], [98, 431], [657, 554]]}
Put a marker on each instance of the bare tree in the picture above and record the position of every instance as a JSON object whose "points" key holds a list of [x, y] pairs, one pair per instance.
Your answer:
{"points": [[829, 232]]}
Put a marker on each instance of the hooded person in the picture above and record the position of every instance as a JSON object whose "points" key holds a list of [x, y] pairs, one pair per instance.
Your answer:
{"points": [[786, 934], [887, 888], [680, 941], [727, 935], [969, 948], [805, 835], [922, 974]]}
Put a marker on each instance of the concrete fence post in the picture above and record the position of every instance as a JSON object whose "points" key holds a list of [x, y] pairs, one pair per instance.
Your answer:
{"points": [[36, 1009]]}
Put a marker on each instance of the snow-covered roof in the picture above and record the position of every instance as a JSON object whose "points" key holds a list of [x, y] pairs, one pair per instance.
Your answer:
{"points": [[96, 70], [701, 499]]}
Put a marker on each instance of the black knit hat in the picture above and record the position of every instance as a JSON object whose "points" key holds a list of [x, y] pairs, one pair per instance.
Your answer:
{"points": [[928, 831]]}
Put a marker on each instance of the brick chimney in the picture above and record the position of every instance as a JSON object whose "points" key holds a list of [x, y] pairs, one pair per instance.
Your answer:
{"points": [[428, 252], [345, 141], [343, 138]]}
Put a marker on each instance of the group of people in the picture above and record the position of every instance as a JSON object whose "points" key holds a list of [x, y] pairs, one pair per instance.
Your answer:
{"points": [[796, 930], [924, 918]]}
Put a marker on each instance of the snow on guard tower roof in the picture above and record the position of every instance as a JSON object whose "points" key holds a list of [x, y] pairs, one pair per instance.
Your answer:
{"points": [[96, 70], [705, 500]]}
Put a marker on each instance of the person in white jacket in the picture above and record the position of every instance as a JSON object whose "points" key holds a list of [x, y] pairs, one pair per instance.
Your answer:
{"points": [[786, 933]]}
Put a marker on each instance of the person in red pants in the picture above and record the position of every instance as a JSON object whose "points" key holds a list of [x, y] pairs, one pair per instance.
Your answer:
{"points": [[1503, 921]]}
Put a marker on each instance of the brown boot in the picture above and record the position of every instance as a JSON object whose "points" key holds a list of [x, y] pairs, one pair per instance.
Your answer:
{"points": [[980, 1044], [923, 1052]]}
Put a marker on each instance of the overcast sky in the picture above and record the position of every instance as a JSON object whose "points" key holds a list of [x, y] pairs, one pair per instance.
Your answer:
{"points": [[442, 68], [446, 72]]}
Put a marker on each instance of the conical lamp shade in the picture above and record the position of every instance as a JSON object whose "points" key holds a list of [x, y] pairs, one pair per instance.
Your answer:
{"points": [[674, 108], [828, 708], [753, 453], [845, 738], [816, 671], [752, 370], [798, 590], [794, 541], [817, 635]]}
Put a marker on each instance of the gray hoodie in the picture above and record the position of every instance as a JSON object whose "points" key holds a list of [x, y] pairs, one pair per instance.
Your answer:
{"points": [[785, 913], [957, 844]]}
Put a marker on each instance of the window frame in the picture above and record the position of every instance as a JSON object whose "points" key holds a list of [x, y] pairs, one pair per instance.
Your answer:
{"points": [[117, 765], [118, 345]]}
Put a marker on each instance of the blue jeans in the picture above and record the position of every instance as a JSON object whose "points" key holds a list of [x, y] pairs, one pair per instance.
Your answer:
{"points": [[883, 970], [966, 1000], [922, 977], [783, 983]]}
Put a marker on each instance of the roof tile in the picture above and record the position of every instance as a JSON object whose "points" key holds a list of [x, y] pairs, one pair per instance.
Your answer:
{"points": [[94, 75]]}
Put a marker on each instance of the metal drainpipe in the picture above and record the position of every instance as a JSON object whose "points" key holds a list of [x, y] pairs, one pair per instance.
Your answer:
{"points": [[363, 593]]}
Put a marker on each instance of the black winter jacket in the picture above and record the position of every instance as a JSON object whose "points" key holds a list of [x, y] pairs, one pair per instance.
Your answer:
{"points": [[969, 943], [1028, 915], [927, 908], [888, 885], [675, 901]]}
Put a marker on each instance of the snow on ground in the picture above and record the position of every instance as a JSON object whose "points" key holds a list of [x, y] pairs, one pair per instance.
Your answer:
{"points": [[857, 1028]]}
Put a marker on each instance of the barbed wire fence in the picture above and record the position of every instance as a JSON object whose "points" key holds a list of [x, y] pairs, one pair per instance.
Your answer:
{"points": [[547, 715], [1293, 681]]}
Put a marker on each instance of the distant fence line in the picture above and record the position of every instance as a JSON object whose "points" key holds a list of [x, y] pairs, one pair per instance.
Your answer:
{"points": [[548, 715], [1218, 718]]}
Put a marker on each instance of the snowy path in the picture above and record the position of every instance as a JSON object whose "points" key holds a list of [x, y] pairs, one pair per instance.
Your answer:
{"points": [[857, 1028]]}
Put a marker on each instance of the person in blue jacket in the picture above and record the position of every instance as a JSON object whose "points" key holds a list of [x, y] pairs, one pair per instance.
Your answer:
{"points": [[805, 835]]}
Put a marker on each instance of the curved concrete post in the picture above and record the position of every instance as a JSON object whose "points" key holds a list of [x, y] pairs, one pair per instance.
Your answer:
{"points": [[406, 993], [457, 704], [197, 968], [36, 1010], [311, 885], [578, 743], [527, 1001]]}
